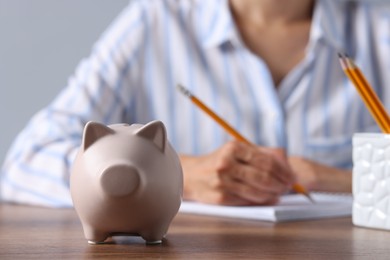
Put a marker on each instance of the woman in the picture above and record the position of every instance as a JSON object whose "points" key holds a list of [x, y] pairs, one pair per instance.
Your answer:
{"points": [[270, 68]]}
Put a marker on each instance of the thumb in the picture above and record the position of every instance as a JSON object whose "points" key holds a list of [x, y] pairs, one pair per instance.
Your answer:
{"points": [[279, 153]]}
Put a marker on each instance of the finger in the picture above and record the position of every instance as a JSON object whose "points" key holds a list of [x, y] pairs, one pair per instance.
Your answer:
{"points": [[265, 159], [260, 180], [251, 195], [223, 189], [223, 197], [269, 162], [241, 151], [280, 153], [260, 172]]}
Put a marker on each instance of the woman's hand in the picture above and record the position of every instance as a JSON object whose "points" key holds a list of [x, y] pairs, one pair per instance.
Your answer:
{"points": [[236, 174]]}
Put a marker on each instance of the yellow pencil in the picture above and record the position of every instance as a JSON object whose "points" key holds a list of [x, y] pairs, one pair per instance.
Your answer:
{"points": [[297, 187], [371, 100]]}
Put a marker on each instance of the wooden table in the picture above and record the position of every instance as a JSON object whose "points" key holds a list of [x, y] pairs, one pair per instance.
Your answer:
{"points": [[39, 233]]}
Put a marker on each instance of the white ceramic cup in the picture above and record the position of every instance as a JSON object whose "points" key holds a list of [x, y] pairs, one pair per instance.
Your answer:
{"points": [[371, 180]]}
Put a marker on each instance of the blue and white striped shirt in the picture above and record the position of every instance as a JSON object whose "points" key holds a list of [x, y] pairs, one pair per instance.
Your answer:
{"points": [[132, 72]]}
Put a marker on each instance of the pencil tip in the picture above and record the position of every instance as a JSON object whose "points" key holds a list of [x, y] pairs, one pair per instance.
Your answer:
{"points": [[183, 90], [310, 198], [340, 55], [300, 189]]}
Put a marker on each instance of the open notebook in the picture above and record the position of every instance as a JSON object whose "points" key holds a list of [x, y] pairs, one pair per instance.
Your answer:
{"points": [[291, 207]]}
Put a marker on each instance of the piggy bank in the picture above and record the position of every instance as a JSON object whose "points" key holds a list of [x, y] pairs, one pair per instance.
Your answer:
{"points": [[126, 180]]}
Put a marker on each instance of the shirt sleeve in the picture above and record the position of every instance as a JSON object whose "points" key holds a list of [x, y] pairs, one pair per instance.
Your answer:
{"points": [[37, 167]]}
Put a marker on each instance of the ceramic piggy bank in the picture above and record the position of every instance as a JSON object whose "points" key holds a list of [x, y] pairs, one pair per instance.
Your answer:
{"points": [[126, 179]]}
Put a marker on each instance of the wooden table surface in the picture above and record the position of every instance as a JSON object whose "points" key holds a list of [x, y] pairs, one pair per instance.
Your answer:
{"points": [[40, 233]]}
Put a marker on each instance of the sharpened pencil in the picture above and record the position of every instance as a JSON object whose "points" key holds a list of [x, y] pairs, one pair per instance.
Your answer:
{"points": [[297, 187], [370, 99]]}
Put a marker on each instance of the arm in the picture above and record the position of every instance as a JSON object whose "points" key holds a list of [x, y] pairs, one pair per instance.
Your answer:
{"points": [[240, 174], [320, 177]]}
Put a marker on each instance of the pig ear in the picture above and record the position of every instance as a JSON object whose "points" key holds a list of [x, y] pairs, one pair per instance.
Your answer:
{"points": [[93, 131], [154, 131]]}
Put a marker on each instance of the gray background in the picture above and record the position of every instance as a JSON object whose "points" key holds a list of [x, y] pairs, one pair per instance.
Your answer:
{"points": [[41, 42]]}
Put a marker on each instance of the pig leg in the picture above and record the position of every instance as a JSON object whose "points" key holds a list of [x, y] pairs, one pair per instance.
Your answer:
{"points": [[94, 236], [154, 235], [152, 238]]}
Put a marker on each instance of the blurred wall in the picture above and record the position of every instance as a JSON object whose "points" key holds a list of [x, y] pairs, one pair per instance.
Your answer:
{"points": [[41, 42]]}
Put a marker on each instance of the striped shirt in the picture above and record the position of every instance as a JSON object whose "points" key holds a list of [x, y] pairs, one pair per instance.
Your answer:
{"points": [[132, 72]]}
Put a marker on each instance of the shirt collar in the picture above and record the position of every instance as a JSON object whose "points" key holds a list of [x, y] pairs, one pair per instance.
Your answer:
{"points": [[330, 24], [217, 24]]}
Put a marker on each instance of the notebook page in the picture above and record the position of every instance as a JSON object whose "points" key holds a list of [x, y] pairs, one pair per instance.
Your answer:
{"points": [[291, 207]]}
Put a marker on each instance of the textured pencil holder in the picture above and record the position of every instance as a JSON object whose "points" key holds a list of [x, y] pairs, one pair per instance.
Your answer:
{"points": [[371, 180]]}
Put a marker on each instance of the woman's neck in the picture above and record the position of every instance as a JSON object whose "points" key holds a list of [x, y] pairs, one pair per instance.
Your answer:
{"points": [[265, 12], [276, 30]]}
